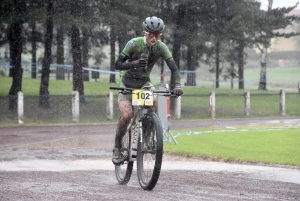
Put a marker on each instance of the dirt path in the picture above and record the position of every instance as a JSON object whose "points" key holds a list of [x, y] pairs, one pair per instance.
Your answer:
{"points": [[72, 162]]}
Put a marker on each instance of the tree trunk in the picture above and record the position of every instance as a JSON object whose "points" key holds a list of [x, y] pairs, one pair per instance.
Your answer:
{"points": [[217, 62], [179, 22], [112, 53], [240, 49], [33, 50], [60, 71], [77, 65], [191, 74], [15, 45], [44, 92], [121, 41], [85, 53], [263, 59], [270, 5], [263, 71], [232, 75], [167, 11]]}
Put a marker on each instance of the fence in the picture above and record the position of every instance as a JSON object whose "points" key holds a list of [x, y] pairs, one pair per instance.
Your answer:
{"points": [[105, 107], [200, 78]]}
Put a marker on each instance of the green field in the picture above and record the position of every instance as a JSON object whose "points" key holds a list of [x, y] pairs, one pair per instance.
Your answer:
{"points": [[56, 87], [269, 146], [277, 78]]}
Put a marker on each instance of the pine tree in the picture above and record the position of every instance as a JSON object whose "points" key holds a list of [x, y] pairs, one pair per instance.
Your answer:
{"points": [[13, 12]]}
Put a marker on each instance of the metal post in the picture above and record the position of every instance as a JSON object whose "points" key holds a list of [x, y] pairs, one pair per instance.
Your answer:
{"points": [[20, 107], [178, 107]]}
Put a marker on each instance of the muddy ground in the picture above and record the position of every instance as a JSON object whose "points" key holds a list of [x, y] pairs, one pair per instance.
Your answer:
{"points": [[72, 162]]}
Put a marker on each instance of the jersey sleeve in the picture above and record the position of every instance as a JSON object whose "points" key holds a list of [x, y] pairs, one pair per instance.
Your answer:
{"points": [[129, 47], [166, 54]]}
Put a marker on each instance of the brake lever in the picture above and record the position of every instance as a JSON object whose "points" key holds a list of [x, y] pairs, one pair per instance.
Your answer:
{"points": [[171, 93]]}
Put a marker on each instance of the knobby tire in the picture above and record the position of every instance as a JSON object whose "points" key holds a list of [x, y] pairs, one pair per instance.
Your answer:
{"points": [[123, 171], [149, 164]]}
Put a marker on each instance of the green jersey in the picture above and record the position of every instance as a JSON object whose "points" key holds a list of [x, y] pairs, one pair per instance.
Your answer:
{"points": [[136, 46]]}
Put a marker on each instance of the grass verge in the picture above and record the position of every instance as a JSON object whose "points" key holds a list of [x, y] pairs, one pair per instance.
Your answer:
{"points": [[268, 146]]}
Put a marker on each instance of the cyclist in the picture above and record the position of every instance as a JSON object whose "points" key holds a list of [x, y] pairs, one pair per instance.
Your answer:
{"points": [[135, 63]]}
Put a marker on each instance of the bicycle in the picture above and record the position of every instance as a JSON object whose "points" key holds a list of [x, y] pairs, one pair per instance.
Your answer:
{"points": [[143, 140]]}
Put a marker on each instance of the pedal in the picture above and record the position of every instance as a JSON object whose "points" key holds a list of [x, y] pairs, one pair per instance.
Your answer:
{"points": [[125, 155]]}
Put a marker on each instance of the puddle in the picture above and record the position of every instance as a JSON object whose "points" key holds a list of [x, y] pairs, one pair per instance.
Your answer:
{"points": [[250, 171], [241, 170]]}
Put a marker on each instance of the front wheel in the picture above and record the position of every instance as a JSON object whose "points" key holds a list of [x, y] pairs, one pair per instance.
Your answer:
{"points": [[150, 152], [124, 170]]}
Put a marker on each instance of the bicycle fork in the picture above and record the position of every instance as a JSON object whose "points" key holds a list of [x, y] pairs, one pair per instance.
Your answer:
{"points": [[134, 142], [135, 129]]}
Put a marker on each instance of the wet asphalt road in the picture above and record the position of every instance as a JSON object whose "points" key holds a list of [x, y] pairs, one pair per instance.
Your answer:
{"points": [[72, 162]]}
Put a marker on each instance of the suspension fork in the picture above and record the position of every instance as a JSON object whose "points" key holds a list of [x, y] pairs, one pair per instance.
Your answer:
{"points": [[141, 117], [134, 135]]}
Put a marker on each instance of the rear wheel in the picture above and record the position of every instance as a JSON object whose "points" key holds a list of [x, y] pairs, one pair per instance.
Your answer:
{"points": [[150, 152], [124, 170]]}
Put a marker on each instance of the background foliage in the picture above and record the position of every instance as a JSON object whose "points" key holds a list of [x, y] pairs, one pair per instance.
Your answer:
{"points": [[206, 34]]}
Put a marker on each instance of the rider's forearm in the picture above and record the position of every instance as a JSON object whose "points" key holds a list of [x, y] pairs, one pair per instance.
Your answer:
{"points": [[175, 72], [121, 63]]}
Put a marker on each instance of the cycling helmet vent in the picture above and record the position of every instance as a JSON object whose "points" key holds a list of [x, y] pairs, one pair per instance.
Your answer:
{"points": [[154, 25]]}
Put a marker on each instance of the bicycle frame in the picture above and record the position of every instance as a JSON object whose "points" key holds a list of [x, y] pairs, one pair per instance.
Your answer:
{"points": [[138, 114]]}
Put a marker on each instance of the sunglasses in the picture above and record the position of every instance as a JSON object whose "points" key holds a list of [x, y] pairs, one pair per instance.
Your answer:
{"points": [[151, 35]]}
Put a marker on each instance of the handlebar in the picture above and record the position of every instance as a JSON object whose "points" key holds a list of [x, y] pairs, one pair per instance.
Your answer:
{"points": [[125, 90], [121, 88]]}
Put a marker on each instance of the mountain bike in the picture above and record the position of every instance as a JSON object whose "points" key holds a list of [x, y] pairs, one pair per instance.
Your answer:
{"points": [[143, 140]]}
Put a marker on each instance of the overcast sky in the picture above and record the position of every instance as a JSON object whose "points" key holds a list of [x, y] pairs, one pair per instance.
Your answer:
{"points": [[280, 3]]}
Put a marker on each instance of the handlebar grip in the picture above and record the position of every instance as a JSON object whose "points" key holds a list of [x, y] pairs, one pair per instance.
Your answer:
{"points": [[166, 93], [117, 88], [163, 92]]}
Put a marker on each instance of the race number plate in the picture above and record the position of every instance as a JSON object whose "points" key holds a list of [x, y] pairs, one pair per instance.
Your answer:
{"points": [[142, 97]]}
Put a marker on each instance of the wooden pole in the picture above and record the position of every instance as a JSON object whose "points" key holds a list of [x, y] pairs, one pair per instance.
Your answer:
{"points": [[110, 106], [247, 103], [75, 106], [212, 108], [282, 102], [20, 107]]}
